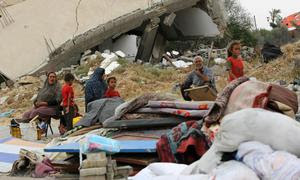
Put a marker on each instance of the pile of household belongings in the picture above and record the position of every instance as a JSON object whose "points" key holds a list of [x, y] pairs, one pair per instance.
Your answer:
{"points": [[251, 133], [248, 132]]}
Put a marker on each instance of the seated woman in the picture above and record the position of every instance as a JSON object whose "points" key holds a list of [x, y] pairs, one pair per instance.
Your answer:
{"points": [[95, 87], [199, 77], [46, 104]]}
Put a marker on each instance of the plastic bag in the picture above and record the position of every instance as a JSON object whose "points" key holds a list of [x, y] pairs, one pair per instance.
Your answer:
{"points": [[94, 143]]}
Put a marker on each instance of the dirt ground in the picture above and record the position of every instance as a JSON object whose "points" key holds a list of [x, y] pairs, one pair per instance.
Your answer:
{"points": [[135, 79]]}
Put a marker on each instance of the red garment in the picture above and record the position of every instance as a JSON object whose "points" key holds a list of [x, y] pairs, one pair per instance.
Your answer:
{"points": [[185, 143], [111, 93], [237, 67], [67, 91]]}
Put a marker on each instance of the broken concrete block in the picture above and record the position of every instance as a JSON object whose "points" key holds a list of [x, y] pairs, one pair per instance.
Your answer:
{"points": [[106, 51], [92, 57], [93, 171], [92, 164], [112, 66], [3, 99], [108, 60], [16, 98], [43, 77], [102, 177], [168, 21], [110, 176], [3, 85], [90, 72], [290, 87], [123, 171], [99, 156], [98, 54], [87, 52], [182, 64], [175, 53], [297, 64], [220, 61], [120, 54]]}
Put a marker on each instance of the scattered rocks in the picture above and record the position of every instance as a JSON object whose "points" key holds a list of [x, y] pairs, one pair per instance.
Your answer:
{"points": [[3, 99]]}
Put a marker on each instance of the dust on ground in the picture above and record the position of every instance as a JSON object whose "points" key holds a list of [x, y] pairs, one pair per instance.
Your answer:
{"points": [[136, 79]]}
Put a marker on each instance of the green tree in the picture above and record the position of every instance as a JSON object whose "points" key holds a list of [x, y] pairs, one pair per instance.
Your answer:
{"points": [[239, 25], [275, 18]]}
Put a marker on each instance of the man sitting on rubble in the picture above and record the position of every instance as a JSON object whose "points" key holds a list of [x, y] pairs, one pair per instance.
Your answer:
{"points": [[200, 76]]}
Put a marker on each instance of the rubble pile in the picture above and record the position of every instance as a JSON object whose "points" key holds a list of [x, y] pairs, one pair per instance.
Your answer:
{"points": [[20, 96], [285, 68]]}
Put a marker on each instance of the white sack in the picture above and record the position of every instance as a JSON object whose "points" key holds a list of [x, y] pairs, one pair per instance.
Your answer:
{"points": [[166, 171], [269, 164], [233, 170], [277, 130]]}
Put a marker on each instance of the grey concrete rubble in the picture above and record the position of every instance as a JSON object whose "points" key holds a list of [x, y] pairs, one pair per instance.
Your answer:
{"points": [[100, 32]]}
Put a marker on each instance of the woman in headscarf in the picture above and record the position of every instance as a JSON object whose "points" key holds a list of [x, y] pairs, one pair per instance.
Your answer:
{"points": [[47, 102], [95, 87]]}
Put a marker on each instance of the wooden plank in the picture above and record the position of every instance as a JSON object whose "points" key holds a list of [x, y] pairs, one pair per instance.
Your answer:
{"points": [[136, 159], [202, 93], [135, 136], [85, 130]]}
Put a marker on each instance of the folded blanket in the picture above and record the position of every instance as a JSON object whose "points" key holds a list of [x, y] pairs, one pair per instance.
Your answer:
{"points": [[177, 112], [194, 105]]}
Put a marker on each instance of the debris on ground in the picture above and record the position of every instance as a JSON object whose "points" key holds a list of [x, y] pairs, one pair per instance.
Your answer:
{"points": [[152, 126]]}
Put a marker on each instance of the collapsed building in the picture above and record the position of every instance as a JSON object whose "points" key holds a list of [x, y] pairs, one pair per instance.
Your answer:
{"points": [[48, 35]]}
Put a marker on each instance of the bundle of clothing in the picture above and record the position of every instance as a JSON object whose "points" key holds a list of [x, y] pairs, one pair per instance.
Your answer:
{"points": [[241, 93]]}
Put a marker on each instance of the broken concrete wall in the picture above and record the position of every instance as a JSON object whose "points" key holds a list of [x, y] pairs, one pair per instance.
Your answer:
{"points": [[194, 22], [127, 44], [65, 29], [23, 46]]}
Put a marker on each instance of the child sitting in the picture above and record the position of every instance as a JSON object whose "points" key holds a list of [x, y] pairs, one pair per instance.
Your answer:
{"points": [[111, 92]]}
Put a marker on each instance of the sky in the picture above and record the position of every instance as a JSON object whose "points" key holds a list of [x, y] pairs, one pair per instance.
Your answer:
{"points": [[261, 8]]}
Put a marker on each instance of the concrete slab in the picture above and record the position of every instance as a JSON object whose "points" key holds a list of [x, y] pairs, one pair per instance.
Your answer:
{"points": [[23, 45]]}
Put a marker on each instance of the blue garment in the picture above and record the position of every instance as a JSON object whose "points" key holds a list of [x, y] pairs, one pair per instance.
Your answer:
{"points": [[95, 87]]}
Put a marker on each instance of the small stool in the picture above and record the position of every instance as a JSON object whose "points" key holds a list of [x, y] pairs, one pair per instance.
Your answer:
{"points": [[48, 125]]}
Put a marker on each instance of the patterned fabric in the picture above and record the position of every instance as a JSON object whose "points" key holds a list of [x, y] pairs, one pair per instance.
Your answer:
{"points": [[177, 112], [251, 94], [218, 109], [185, 143], [194, 105]]}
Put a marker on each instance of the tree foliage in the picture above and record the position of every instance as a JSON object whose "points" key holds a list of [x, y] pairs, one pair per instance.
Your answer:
{"points": [[275, 18], [239, 25]]}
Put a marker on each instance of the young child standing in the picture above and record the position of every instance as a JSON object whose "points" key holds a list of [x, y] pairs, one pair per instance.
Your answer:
{"points": [[68, 100], [111, 92], [235, 65]]}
